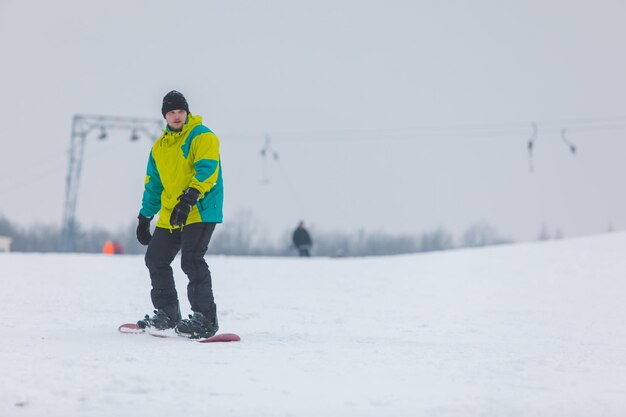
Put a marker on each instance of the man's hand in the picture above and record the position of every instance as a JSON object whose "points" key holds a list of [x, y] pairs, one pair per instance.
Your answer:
{"points": [[143, 230], [187, 200]]}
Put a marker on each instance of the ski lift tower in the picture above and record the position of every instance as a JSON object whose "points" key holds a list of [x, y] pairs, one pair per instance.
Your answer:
{"points": [[82, 126]]}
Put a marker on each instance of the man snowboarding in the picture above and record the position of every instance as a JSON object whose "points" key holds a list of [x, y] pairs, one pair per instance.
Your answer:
{"points": [[184, 186], [302, 240]]}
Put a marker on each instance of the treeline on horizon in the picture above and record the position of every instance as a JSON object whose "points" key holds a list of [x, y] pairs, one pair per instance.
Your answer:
{"points": [[241, 236]]}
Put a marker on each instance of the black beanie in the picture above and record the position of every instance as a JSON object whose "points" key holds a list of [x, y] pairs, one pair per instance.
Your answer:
{"points": [[174, 101]]}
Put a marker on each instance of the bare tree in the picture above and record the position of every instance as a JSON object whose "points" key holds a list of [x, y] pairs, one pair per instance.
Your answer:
{"points": [[481, 234]]}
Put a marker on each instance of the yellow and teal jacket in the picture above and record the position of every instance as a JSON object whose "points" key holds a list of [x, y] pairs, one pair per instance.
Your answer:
{"points": [[189, 158]]}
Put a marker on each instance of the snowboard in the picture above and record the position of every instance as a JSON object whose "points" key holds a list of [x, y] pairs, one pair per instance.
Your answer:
{"points": [[132, 328]]}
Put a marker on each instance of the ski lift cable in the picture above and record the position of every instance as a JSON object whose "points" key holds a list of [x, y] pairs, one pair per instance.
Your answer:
{"points": [[514, 129]]}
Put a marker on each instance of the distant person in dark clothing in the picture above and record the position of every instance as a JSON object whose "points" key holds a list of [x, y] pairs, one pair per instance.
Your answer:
{"points": [[302, 240], [117, 248]]}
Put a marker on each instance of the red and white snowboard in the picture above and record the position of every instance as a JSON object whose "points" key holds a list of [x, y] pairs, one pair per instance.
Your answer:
{"points": [[132, 328]]}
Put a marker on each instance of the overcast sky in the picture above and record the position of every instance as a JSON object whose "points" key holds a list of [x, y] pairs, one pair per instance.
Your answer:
{"points": [[397, 116]]}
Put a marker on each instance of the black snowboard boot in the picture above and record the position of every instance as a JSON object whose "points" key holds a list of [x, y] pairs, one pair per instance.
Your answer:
{"points": [[160, 321], [198, 326]]}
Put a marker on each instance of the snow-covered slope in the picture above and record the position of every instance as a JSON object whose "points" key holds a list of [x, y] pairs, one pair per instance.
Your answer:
{"points": [[522, 330]]}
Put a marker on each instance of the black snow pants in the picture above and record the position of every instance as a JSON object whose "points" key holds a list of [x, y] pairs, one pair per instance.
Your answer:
{"points": [[192, 241]]}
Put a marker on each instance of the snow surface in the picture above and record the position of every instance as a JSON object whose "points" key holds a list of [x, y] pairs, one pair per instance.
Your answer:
{"points": [[521, 330]]}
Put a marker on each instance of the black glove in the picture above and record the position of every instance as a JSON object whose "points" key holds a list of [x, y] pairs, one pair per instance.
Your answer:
{"points": [[143, 230], [187, 200]]}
